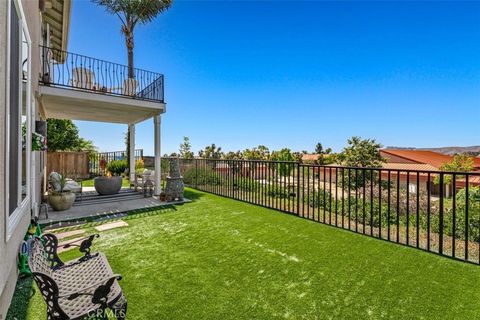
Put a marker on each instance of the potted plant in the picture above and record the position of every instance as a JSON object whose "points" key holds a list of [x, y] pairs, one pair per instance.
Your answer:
{"points": [[61, 199], [163, 194], [112, 182]]}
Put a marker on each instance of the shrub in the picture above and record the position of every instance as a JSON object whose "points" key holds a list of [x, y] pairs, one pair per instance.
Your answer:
{"points": [[247, 184], [318, 200], [473, 224], [117, 167], [202, 176], [139, 164], [277, 191]]}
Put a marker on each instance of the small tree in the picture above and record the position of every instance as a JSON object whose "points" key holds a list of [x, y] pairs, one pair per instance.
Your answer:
{"points": [[460, 163], [63, 135], [322, 154], [258, 153], [211, 152], [297, 156], [186, 149], [361, 153], [319, 148], [284, 169], [232, 155]]}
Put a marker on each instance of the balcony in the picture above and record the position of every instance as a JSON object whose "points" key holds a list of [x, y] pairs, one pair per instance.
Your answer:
{"points": [[78, 87]]}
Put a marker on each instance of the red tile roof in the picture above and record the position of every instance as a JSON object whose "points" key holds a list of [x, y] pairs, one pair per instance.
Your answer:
{"points": [[434, 159], [310, 157]]}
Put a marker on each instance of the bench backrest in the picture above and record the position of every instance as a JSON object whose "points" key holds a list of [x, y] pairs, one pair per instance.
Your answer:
{"points": [[38, 258], [41, 268]]}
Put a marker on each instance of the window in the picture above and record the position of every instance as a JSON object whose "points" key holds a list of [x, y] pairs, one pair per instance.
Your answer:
{"points": [[18, 119]]}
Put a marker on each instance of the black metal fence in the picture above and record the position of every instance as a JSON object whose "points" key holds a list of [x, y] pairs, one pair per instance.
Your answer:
{"points": [[434, 211], [94, 75], [98, 160]]}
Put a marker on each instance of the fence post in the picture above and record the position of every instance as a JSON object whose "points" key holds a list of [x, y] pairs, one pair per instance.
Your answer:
{"points": [[196, 173], [298, 188]]}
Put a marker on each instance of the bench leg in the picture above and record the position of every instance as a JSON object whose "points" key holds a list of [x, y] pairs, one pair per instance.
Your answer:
{"points": [[120, 308]]}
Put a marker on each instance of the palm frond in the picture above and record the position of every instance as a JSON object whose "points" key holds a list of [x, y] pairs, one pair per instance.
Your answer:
{"points": [[134, 11]]}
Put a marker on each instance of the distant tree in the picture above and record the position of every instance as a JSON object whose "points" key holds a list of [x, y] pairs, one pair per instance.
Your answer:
{"points": [[284, 169], [211, 152], [63, 135], [258, 153], [322, 154], [361, 153], [297, 156], [329, 158], [186, 149], [264, 152], [460, 163], [86, 145], [232, 155]]}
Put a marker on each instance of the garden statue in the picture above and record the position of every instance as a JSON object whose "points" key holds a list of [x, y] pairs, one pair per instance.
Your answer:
{"points": [[174, 188]]}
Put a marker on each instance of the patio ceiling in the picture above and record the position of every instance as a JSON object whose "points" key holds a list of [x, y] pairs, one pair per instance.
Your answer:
{"points": [[70, 104]]}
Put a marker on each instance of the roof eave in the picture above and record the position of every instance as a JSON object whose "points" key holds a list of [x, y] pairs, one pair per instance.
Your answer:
{"points": [[67, 8]]}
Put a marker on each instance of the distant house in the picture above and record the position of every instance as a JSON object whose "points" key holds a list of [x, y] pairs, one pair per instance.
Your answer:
{"points": [[255, 170], [403, 165], [418, 159], [422, 160], [310, 157]]}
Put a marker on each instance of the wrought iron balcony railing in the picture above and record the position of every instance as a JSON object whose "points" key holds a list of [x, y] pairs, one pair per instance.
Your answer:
{"points": [[78, 72]]}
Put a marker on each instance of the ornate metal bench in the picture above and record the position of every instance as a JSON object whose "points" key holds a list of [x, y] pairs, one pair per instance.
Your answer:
{"points": [[79, 289]]}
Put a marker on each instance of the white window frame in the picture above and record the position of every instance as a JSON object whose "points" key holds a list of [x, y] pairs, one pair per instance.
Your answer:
{"points": [[23, 206]]}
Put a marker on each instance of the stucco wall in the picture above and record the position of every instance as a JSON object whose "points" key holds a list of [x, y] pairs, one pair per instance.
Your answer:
{"points": [[9, 246]]}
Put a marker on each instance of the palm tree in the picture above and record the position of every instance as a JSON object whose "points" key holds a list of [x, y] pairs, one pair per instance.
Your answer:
{"points": [[131, 12]]}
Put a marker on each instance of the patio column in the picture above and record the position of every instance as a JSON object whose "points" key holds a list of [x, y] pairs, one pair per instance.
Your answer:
{"points": [[131, 138], [158, 157]]}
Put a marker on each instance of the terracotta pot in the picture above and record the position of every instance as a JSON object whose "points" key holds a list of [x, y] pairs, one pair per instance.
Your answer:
{"points": [[107, 185], [61, 201]]}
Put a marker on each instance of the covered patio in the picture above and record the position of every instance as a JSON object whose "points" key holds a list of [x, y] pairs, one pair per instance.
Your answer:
{"points": [[76, 87]]}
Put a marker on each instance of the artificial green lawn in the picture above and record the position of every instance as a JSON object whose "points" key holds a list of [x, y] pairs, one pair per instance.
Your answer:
{"points": [[217, 258]]}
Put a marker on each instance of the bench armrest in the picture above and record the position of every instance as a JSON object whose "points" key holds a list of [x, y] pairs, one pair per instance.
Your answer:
{"points": [[51, 245], [84, 245]]}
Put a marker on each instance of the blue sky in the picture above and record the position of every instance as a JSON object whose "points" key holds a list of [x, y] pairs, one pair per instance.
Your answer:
{"points": [[291, 74]]}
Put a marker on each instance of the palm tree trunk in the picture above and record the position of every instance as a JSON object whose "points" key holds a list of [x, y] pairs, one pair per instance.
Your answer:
{"points": [[131, 73], [129, 43]]}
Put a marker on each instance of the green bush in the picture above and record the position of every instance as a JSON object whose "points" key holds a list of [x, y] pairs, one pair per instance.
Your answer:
{"points": [[317, 200], [277, 191], [202, 176], [473, 223], [117, 167], [247, 184]]}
